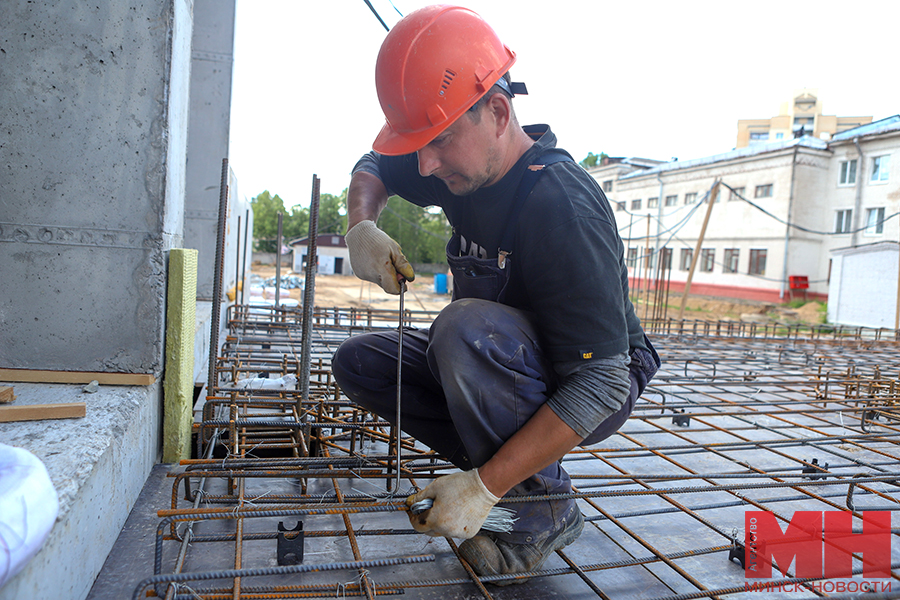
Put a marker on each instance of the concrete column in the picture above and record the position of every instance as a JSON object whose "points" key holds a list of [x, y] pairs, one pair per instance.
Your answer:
{"points": [[212, 61], [93, 107]]}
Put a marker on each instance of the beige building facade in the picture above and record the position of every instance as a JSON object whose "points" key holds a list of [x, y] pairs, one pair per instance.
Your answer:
{"points": [[782, 207], [802, 115]]}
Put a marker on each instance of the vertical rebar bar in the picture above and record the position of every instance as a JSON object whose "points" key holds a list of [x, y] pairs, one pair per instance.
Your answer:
{"points": [[399, 384], [278, 262], [217, 279], [237, 264], [309, 288], [244, 257]]}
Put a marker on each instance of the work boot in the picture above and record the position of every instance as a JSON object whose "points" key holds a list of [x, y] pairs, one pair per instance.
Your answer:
{"points": [[489, 554]]}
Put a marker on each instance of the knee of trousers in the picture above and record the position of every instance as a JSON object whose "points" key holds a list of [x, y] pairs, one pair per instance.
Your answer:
{"points": [[347, 368], [473, 326]]}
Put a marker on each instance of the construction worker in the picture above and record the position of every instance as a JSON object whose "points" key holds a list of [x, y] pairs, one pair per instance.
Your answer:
{"points": [[541, 350]]}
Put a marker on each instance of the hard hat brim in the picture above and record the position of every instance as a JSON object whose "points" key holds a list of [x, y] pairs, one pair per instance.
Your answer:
{"points": [[391, 143]]}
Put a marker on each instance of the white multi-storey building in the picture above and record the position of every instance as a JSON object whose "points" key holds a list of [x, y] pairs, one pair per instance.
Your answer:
{"points": [[781, 209]]}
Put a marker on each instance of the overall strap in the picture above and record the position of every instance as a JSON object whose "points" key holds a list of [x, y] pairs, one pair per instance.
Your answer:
{"points": [[531, 176]]}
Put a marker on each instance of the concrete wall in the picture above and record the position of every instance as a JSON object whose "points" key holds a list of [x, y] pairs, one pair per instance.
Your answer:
{"points": [[94, 107], [212, 59]]}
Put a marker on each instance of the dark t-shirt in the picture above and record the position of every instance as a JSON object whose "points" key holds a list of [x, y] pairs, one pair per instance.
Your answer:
{"points": [[567, 263]]}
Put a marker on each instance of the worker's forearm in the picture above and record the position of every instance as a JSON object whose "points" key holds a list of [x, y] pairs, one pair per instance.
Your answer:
{"points": [[544, 439], [366, 198]]}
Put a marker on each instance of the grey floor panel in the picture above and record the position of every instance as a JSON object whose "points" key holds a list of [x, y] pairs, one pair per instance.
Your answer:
{"points": [[732, 423]]}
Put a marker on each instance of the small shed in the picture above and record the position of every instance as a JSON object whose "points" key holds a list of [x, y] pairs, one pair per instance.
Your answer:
{"points": [[862, 289], [332, 251]]}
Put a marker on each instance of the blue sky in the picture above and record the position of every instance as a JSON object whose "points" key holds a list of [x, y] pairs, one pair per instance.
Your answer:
{"points": [[652, 79]]}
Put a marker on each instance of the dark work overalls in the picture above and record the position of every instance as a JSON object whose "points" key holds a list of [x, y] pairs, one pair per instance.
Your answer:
{"points": [[476, 376]]}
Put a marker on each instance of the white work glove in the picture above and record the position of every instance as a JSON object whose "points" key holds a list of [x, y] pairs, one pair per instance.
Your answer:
{"points": [[461, 505], [375, 257]]}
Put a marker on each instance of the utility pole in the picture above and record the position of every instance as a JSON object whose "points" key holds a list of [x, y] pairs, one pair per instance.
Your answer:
{"points": [[713, 194], [647, 267]]}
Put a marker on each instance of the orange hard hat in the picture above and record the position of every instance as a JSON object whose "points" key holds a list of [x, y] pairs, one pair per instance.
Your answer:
{"points": [[432, 67]]}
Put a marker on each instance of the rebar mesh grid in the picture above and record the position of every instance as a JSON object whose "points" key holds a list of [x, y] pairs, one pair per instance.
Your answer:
{"points": [[740, 418]]}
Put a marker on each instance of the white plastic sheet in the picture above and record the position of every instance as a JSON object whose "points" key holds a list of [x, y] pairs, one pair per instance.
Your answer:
{"points": [[28, 509], [288, 382]]}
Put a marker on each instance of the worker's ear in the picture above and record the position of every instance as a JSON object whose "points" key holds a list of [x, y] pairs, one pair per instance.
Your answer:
{"points": [[500, 112]]}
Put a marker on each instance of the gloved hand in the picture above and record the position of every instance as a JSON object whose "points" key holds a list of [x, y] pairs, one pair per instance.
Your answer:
{"points": [[461, 504], [375, 257]]}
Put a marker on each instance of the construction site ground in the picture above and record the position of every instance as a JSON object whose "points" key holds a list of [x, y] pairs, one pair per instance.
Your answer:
{"points": [[745, 416], [348, 290]]}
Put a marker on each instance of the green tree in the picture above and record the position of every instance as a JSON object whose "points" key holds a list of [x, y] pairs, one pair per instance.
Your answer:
{"points": [[295, 225], [333, 213], [592, 160], [265, 220], [422, 234]]}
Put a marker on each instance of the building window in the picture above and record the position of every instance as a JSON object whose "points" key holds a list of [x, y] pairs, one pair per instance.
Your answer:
{"points": [[848, 172], [707, 259], [880, 168], [763, 191], [607, 185], [636, 204], [731, 260], [842, 221], [665, 256], [690, 197], [687, 255], [652, 202], [757, 262], [632, 258], [736, 193], [672, 200], [620, 206], [875, 221], [759, 136], [779, 136]]}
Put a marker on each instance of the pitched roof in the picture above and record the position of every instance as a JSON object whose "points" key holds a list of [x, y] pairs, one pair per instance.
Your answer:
{"points": [[756, 149], [876, 127]]}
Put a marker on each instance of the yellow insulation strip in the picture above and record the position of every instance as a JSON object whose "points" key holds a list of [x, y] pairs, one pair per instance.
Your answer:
{"points": [[178, 378]]}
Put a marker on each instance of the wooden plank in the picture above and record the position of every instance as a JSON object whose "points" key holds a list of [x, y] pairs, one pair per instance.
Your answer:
{"points": [[35, 376], [39, 412], [6, 395]]}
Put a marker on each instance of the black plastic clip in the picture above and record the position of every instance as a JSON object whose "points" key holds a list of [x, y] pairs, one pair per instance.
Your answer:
{"points": [[681, 419], [290, 549], [736, 551], [814, 471]]}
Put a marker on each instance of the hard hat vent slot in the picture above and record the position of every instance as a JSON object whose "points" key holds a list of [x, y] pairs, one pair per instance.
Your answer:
{"points": [[447, 80]]}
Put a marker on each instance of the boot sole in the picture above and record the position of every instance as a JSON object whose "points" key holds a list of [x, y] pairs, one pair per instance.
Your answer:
{"points": [[567, 537]]}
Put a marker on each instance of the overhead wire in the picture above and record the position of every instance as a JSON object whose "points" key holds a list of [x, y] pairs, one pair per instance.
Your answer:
{"points": [[377, 16], [395, 8], [675, 228], [800, 227]]}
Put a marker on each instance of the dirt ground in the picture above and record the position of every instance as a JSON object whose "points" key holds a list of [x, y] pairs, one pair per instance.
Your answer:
{"points": [[348, 291]]}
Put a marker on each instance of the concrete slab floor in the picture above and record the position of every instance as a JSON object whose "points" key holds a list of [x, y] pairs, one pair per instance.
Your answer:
{"points": [[664, 499], [98, 465]]}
